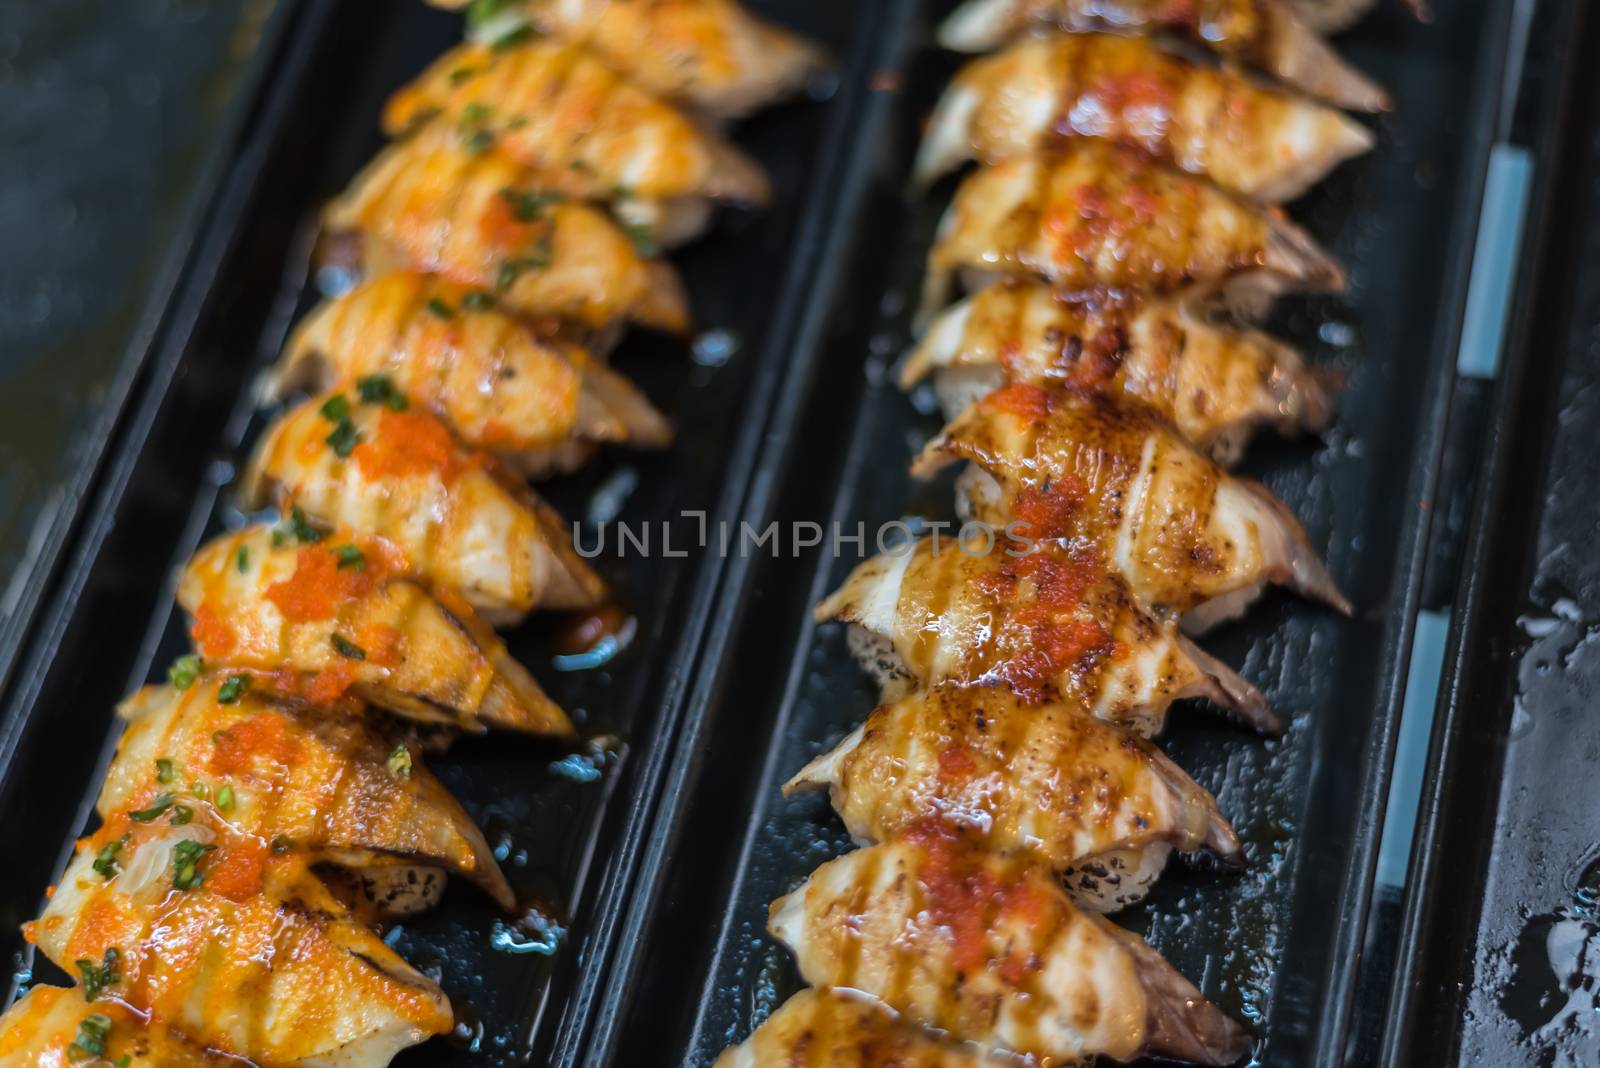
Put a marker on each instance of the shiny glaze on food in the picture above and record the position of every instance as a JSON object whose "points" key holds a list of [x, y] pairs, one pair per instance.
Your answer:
{"points": [[342, 615], [52, 1027], [1257, 142], [1214, 383], [1265, 34], [240, 947], [487, 222], [1046, 780], [840, 1029], [711, 55], [1091, 217], [554, 106], [990, 949], [286, 778], [407, 481], [1187, 536], [1052, 624], [539, 403]]}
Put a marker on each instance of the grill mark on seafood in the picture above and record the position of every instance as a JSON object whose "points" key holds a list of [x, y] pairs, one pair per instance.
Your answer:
{"points": [[1214, 383], [1188, 537], [1255, 141], [410, 483], [554, 106], [711, 55], [1053, 625], [1091, 217], [992, 951], [1046, 780], [284, 611], [427, 204], [538, 403], [1265, 34]]}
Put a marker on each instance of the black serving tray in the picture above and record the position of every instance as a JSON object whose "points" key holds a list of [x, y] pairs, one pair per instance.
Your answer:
{"points": [[1499, 945], [570, 846], [1280, 945]]}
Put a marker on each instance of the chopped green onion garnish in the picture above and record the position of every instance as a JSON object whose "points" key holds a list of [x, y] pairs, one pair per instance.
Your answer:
{"points": [[477, 301], [349, 556], [344, 439], [164, 770], [182, 814], [96, 977], [156, 809], [243, 559], [93, 1034], [184, 671], [230, 692], [380, 389], [439, 308], [186, 855], [105, 861], [225, 798], [336, 408], [400, 762], [348, 649]]}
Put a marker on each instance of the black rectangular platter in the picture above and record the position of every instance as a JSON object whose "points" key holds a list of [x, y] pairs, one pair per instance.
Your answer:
{"points": [[1281, 944], [1499, 949], [569, 846]]}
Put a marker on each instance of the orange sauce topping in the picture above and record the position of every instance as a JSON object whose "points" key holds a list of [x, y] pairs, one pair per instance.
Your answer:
{"points": [[319, 585], [237, 870], [213, 635], [407, 444], [968, 901], [1055, 636], [1022, 400], [261, 738]]}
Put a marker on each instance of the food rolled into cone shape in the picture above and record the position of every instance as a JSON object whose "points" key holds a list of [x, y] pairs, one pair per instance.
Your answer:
{"points": [[241, 949], [989, 949], [711, 55], [1188, 537], [839, 1029], [285, 778], [51, 1027], [1083, 796], [538, 403], [384, 469], [1265, 34], [1091, 216], [488, 222], [1257, 142], [1214, 383], [1051, 623], [343, 616], [554, 106]]}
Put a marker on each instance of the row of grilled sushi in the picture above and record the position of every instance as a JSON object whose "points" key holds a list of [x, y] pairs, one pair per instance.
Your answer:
{"points": [[1098, 380], [268, 810]]}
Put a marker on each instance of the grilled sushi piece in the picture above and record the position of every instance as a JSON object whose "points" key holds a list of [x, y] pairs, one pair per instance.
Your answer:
{"points": [[1085, 797], [343, 615], [1188, 537], [540, 404], [1091, 216], [488, 222], [554, 106], [400, 476], [242, 950], [1257, 142], [990, 950], [710, 55], [1051, 623], [1214, 383], [1265, 34], [51, 1026], [839, 1029], [329, 787]]}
